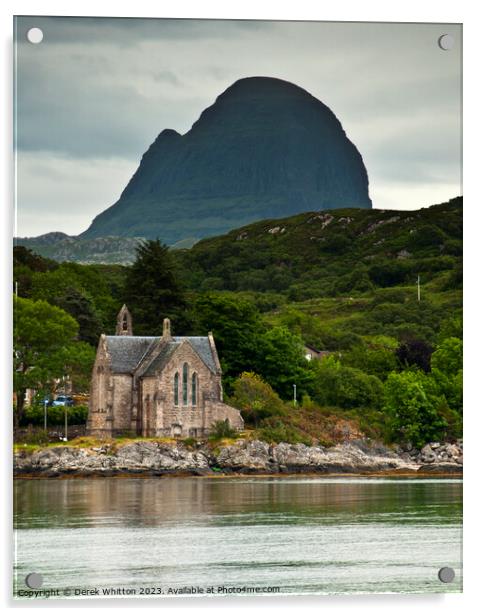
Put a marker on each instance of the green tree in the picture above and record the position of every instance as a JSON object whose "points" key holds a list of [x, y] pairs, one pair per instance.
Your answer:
{"points": [[236, 326], [373, 358], [282, 362], [153, 291], [255, 399], [412, 412], [447, 372], [41, 334], [344, 386], [448, 357], [83, 311]]}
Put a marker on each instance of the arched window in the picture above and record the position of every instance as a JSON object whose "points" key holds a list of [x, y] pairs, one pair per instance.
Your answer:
{"points": [[194, 389], [185, 370], [176, 389]]}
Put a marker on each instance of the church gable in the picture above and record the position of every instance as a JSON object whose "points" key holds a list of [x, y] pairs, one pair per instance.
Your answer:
{"points": [[198, 345]]}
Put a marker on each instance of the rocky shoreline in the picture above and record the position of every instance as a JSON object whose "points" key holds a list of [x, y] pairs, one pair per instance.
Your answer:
{"points": [[244, 457]]}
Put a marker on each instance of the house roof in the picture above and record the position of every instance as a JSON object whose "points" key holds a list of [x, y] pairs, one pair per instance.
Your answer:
{"points": [[127, 352]]}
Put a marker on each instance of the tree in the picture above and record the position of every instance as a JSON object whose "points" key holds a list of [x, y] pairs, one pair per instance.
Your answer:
{"points": [[236, 326], [153, 291], [282, 362], [448, 356], [41, 334], [83, 311], [345, 387], [255, 399], [377, 359], [412, 413], [447, 373]]}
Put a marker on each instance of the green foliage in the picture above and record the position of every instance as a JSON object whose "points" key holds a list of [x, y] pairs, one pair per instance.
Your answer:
{"points": [[342, 281], [447, 373], [279, 430], [236, 327], [255, 399], [45, 348], [221, 429], [189, 442], [282, 362], [345, 387], [153, 290], [373, 358], [83, 311], [35, 415], [448, 357], [88, 293], [412, 410], [333, 254]]}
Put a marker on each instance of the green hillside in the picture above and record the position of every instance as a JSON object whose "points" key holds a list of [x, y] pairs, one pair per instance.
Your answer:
{"points": [[320, 254], [342, 281]]}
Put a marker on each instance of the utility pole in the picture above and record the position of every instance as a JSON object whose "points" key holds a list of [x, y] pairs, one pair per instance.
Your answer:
{"points": [[65, 435], [294, 395], [45, 414], [418, 287]]}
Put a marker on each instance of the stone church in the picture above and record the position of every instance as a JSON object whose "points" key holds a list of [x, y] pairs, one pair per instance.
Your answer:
{"points": [[156, 385]]}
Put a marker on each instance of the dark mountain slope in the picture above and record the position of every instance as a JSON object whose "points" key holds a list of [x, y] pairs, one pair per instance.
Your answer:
{"points": [[266, 148]]}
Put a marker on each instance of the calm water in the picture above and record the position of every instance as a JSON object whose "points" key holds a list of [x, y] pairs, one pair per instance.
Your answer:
{"points": [[303, 535]]}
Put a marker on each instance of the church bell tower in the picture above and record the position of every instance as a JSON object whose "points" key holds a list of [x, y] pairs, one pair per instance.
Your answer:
{"points": [[124, 322]]}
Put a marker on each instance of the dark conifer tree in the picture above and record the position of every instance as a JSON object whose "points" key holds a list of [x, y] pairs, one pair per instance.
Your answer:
{"points": [[153, 291]]}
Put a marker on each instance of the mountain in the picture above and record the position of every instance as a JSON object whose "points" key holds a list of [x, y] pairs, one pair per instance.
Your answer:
{"points": [[266, 148]]}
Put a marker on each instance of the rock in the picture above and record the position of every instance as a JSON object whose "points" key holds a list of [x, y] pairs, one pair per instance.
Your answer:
{"points": [[441, 467], [452, 451], [243, 456], [434, 445]]}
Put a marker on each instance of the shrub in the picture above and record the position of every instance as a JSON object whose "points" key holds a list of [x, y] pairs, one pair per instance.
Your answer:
{"points": [[76, 415], [346, 387], [190, 441], [255, 398], [222, 429], [275, 430]]}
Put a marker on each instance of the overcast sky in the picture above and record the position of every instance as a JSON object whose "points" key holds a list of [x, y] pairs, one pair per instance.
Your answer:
{"points": [[95, 93]]}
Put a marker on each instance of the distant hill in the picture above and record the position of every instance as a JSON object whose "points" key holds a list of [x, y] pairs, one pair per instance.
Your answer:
{"points": [[311, 251], [337, 251], [265, 149], [62, 247]]}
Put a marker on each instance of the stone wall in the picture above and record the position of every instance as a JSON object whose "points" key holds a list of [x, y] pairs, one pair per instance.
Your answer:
{"points": [[99, 422], [162, 417]]}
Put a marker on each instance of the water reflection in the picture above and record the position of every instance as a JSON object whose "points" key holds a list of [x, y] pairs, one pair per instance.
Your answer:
{"points": [[306, 535], [160, 501]]}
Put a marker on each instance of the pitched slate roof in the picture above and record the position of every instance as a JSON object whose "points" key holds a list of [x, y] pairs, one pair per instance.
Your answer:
{"points": [[127, 351]]}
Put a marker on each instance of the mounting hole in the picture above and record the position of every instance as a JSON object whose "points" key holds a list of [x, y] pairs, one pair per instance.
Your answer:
{"points": [[35, 36], [446, 575], [446, 42], [34, 580]]}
